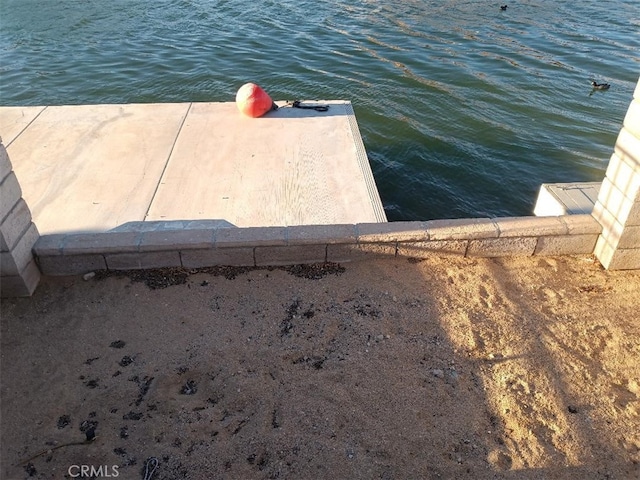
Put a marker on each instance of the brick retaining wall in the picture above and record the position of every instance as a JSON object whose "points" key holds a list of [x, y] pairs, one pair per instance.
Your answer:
{"points": [[19, 275], [618, 205], [75, 254]]}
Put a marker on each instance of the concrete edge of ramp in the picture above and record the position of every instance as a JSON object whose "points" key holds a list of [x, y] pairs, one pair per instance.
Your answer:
{"points": [[365, 166]]}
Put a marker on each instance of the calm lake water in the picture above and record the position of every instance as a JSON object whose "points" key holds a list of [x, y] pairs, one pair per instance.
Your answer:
{"points": [[464, 109]]}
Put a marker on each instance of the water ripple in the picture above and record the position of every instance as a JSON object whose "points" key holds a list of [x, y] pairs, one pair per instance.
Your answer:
{"points": [[464, 109]]}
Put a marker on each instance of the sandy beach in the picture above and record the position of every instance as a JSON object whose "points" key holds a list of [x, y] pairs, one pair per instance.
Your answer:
{"points": [[448, 367]]}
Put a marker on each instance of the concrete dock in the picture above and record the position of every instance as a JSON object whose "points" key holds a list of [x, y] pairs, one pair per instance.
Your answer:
{"points": [[96, 168], [566, 198]]}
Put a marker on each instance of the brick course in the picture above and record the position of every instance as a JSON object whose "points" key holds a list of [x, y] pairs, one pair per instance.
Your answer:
{"points": [[19, 275]]}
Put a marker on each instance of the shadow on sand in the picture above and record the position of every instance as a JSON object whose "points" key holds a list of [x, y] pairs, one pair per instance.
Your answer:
{"points": [[390, 369]]}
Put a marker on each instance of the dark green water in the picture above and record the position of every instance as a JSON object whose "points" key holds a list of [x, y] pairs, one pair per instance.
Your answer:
{"points": [[464, 109]]}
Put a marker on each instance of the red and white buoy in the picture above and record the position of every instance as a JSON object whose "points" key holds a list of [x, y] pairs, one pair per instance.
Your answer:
{"points": [[253, 101]]}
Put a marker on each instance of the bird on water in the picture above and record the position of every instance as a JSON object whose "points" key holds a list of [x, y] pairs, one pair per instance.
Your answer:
{"points": [[600, 86], [503, 7]]}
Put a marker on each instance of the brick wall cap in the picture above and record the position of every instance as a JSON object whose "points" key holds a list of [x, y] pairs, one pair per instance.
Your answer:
{"points": [[390, 232], [320, 234], [461, 229], [530, 226]]}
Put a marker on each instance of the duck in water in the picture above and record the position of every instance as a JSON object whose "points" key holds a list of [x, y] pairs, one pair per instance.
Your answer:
{"points": [[599, 86], [503, 7]]}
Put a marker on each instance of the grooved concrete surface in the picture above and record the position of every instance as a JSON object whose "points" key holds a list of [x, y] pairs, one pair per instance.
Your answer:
{"points": [[93, 168], [566, 198]]}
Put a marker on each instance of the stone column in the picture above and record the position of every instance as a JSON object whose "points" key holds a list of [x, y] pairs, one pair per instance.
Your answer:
{"points": [[19, 274], [618, 205]]}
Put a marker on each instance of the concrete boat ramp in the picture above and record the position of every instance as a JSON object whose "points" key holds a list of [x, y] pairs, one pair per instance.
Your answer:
{"points": [[99, 168]]}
